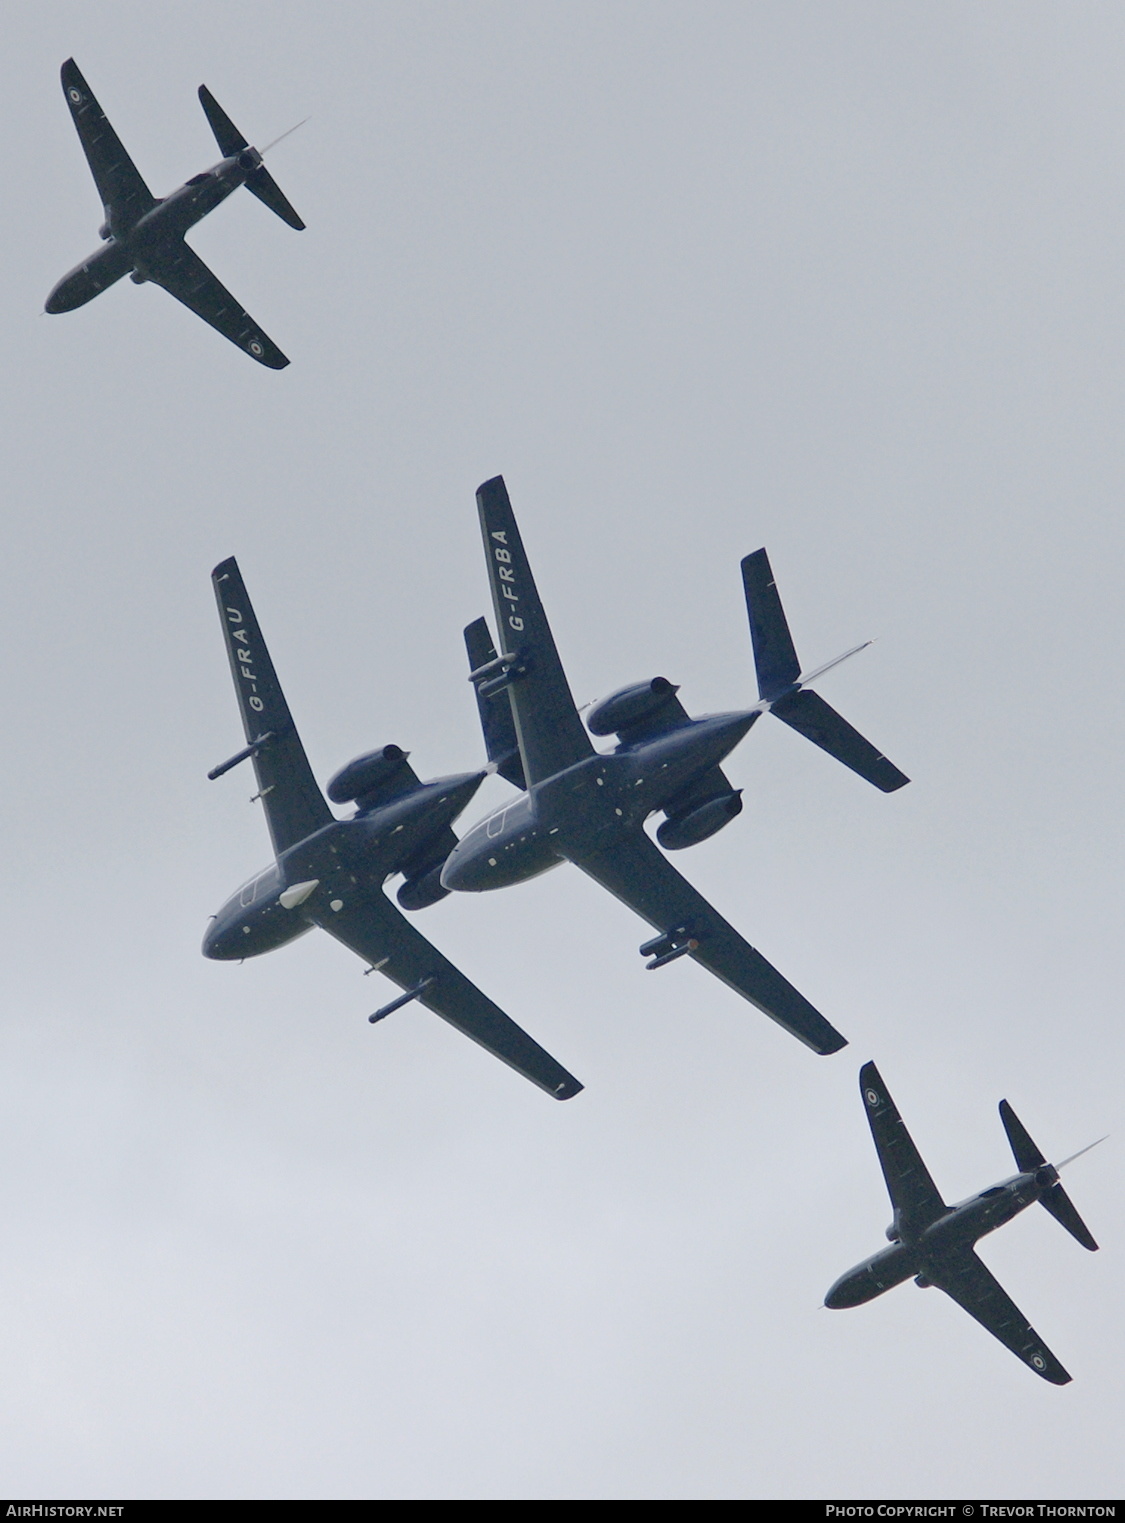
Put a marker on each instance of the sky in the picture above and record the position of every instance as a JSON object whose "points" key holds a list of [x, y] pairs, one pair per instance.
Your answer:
{"points": [[840, 280]]}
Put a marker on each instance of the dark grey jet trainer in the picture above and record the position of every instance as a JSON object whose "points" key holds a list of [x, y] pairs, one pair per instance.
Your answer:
{"points": [[144, 237], [589, 808], [934, 1242], [331, 872]]}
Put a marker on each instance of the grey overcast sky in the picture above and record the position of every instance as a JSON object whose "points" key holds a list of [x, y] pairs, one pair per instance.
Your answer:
{"points": [[845, 280]]}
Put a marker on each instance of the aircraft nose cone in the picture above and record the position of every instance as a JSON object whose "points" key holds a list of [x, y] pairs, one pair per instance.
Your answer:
{"points": [[219, 943]]}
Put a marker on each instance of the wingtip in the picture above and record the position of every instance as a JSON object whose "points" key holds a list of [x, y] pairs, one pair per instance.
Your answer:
{"points": [[224, 568]]}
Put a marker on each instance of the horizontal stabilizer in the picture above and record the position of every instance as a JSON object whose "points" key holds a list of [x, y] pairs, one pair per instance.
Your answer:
{"points": [[227, 135], [260, 182], [263, 185], [495, 709], [1061, 1207], [1029, 1158], [774, 655], [1024, 1151], [808, 714]]}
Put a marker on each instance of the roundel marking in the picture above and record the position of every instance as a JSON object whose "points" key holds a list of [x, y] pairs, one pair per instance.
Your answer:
{"points": [[75, 95], [336, 904], [871, 1096], [1038, 1361], [255, 348]]}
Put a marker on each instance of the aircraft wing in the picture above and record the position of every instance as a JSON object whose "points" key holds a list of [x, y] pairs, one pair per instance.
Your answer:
{"points": [[371, 926], [183, 275], [963, 1277], [637, 872], [551, 735], [913, 1193], [295, 807], [124, 194]]}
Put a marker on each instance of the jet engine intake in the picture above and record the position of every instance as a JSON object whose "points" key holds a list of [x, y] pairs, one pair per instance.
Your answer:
{"points": [[629, 705], [697, 824], [426, 889], [369, 779]]}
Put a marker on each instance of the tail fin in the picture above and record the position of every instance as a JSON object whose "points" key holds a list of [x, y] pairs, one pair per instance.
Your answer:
{"points": [[259, 182], [780, 683], [1029, 1160], [495, 709]]}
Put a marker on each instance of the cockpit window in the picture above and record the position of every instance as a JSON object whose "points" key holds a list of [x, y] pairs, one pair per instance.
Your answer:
{"points": [[259, 887]]}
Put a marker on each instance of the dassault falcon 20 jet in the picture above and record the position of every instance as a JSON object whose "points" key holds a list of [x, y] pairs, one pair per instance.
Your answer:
{"points": [[330, 872], [144, 237], [934, 1242], [589, 807]]}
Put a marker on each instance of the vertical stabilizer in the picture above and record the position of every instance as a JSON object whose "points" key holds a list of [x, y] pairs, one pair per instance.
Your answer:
{"points": [[495, 709]]}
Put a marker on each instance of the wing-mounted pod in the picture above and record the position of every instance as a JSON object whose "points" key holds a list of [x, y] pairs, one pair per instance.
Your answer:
{"points": [[638, 712], [373, 779], [1030, 1160], [784, 690], [697, 822], [385, 780]]}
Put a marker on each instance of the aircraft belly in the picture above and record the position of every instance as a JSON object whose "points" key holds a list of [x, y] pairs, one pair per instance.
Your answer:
{"points": [[870, 1279], [103, 269], [252, 931], [498, 862]]}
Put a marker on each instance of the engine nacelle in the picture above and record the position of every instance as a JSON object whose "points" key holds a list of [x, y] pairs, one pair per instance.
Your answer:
{"points": [[368, 778], [104, 232], [699, 823], [922, 1283], [893, 1234], [630, 705], [419, 893]]}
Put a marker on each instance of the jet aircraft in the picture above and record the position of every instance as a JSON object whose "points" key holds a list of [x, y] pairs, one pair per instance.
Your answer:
{"points": [[589, 807], [330, 872], [934, 1242], [144, 237]]}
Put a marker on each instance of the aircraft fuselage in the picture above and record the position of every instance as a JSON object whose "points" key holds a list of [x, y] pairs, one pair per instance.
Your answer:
{"points": [[582, 809], [130, 246], [345, 855], [962, 1225]]}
